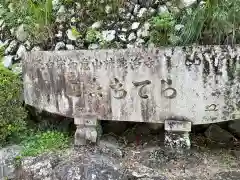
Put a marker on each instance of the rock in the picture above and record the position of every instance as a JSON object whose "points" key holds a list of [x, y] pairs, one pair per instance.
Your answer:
{"points": [[130, 6], [108, 9], [132, 37], [7, 156], [55, 4], [96, 25], [234, 127], [70, 35], [60, 46], [61, 17], [7, 61], [90, 167], [139, 43], [162, 9], [216, 133], [144, 30], [142, 12], [178, 27], [146, 3], [108, 35], [136, 9], [187, 3], [21, 51], [21, 33], [130, 46], [70, 47], [12, 48], [122, 37], [28, 45], [17, 68], [36, 48], [59, 35], [110, 145], [93, 46], [135, 25], [152, 11]]}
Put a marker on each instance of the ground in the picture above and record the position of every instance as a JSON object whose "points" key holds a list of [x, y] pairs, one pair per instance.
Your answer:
{"points": [[116, 158]]}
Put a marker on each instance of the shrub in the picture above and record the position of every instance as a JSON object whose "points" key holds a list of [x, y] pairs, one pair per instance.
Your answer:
{"points": [[12, 112], [162, 27], [43, 142]]}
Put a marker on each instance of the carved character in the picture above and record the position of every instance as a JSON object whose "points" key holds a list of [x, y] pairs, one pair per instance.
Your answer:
{"points": [[169, 89], [194, 61], [212, 107], [118, 89], [142, 84]]}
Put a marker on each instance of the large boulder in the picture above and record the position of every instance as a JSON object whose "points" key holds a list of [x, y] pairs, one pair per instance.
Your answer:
{"points": [[216, 133]]}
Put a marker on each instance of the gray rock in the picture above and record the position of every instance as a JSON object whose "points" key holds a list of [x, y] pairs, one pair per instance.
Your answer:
{"points": [[144, 30], [130, 46], [70, 35], [96, 25], [108, 9], [70, 47], [216, 133], [108, 35], [93, 46], [7, 156], [110, 145], [139, 43], [17, 68], [21, 33], [152, 11], [146, 3], [7, 61], [130, 6], [162, 9], [135, 25], [60, 46], [55, 4], [132, 36], [21, 51], [59, 35], [142, 12], [234, 127], [136, 9], [187, 3], [36, 48], [12, 48], [28, 45], [178, 27], [61, 17], [122, 37]]}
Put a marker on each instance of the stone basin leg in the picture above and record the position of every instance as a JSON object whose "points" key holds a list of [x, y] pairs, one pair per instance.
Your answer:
{"points": [[177, 134], [86, 129]]}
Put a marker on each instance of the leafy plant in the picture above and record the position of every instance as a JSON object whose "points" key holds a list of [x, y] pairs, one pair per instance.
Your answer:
{"points": [[36, 15], [93, 36], [76, 33], [212, 22], [162, 27], [12, 113], [44, 142]]}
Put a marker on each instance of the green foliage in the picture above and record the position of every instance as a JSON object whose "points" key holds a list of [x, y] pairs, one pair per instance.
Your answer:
{"points": [[93, 36], [76, 33], [212, 22], [162, 27], [44, 142], [36, 15], [12, 112]]}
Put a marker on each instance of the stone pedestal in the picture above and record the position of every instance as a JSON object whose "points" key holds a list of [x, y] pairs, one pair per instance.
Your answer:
{"points": [[177, 134], [86, 129]]}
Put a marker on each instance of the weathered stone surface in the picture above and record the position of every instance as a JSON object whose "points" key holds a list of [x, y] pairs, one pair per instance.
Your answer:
{"points": [[200, 84], [7, 156], [216, 133]]}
